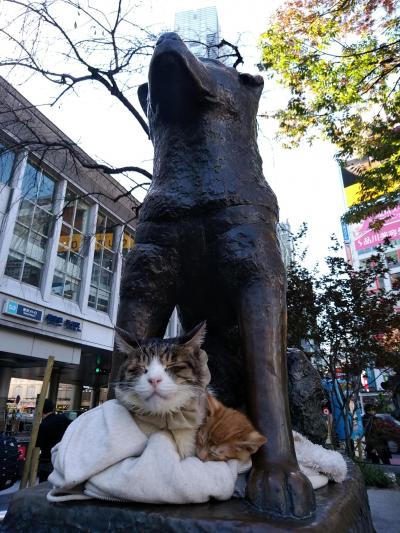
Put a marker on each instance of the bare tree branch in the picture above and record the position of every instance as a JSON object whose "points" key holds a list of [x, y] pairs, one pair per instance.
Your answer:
{"points": [[118, 51]]}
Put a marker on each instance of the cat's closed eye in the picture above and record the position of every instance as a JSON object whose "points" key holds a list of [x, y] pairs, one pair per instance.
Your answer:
{"points": [[215, 453], [177, 367], [135, 370]]}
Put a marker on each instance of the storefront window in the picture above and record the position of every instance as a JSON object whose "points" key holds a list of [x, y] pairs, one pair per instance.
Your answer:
{"points": [[71, 249], [31, 392], [32, 228], [6, 164], [128, 243], [395, 280], [393, 259], [103, 264]]}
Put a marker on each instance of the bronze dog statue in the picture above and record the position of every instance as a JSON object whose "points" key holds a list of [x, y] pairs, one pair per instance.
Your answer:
{"points": [[206, 243]]}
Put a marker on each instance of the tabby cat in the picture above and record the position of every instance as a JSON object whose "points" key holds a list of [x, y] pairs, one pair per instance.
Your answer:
{"points": [[162, 382], [226, 434]]}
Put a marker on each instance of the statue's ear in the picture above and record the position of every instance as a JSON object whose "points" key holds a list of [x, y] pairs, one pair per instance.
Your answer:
{"points": [[195, 337], [143, 91], [255, 83]]}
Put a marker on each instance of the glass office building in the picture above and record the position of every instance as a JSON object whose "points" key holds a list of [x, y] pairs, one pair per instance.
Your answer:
{"points": [[200, 30]]}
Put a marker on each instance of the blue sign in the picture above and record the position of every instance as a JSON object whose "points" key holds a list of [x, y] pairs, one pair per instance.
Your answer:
{"points": [[54, 320], [345, 231], [22, 311], [72, 325]]}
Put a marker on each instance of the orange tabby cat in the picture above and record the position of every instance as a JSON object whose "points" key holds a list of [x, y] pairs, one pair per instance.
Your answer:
{"points": [[226, 434]]}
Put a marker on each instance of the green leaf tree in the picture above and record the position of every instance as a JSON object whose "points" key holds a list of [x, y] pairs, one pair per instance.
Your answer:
{"points": [[347, 320], [340, 61], [301, 297]]}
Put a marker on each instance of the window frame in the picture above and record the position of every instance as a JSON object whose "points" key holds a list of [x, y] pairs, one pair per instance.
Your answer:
{"points": [[81, 254], [3, 145], [33, 204], [100, 242]]}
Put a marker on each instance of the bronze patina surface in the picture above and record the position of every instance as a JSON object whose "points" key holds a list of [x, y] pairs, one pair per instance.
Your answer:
{"points": [[206, 243]]}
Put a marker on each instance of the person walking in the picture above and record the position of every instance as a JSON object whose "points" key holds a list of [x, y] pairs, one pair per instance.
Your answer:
{"points": [[376, 439], [51, 431]]}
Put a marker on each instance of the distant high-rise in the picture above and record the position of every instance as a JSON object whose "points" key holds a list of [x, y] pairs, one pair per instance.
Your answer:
{"points": [[285, 239], [199, 29]]}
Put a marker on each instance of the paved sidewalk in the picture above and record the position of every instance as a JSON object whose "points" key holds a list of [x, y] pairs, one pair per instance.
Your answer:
{"points": [[385, 505]]}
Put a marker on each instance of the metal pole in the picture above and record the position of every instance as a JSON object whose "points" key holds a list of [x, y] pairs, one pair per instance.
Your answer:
{"points": [[34, 466], [36, 422]]}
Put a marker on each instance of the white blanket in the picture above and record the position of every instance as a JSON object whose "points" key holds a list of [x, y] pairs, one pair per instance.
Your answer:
{"points": [[105, 455], [317, 463]]}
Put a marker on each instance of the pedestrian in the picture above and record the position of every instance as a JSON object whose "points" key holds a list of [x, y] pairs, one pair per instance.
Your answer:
{"points": [[376, 438], [51, 431]]}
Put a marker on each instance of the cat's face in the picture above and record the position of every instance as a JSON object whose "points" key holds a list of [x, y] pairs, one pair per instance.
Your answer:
{"points": [[226, 434], [161, 375]]}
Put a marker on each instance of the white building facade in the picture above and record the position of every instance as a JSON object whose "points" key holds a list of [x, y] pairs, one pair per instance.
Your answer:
{"points": [[63, 240]]}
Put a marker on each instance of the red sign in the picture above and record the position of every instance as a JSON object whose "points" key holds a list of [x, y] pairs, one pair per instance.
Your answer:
{"points": [[22, 452], [339, 373], [365, 237]]}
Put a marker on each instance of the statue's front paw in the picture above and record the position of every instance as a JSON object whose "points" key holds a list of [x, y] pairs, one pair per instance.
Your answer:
{"points": [[281, 490]]}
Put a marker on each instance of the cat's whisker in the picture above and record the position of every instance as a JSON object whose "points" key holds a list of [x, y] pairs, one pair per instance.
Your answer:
{"points": [[141, 350]]}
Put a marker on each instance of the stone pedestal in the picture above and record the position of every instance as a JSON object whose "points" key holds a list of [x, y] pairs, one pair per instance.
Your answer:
{"points": [[341, 508]]}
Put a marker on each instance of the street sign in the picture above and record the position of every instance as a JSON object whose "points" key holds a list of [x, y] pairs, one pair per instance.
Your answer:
{"points": [[22, 311]]}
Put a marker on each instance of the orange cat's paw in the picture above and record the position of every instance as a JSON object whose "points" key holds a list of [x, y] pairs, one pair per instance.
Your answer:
{"points": [[281, 489]]}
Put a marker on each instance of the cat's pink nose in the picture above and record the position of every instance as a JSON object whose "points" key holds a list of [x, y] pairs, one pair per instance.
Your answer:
{"points": [[154, 381]]}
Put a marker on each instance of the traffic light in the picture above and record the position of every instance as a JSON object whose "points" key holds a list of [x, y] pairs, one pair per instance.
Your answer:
{"points": [[100, 369]]}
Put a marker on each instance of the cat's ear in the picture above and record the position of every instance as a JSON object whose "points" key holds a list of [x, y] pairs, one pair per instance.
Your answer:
{"points": [[213, 405], [123, 341], [195, 337], [252, 442]]}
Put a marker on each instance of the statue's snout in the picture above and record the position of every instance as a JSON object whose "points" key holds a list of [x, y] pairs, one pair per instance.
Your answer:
{"points": [[170, 35]]}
